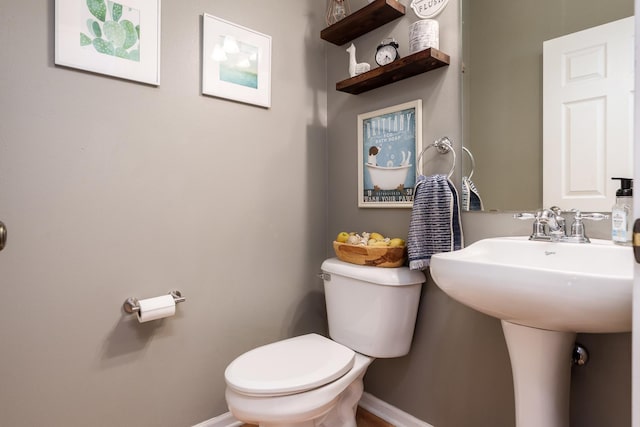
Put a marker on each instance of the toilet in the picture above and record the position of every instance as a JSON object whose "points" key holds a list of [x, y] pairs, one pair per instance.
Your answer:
{"points": [[313, 381]]}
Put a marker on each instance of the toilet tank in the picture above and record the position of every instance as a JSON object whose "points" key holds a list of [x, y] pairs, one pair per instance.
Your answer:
{"points": [[372, 310]]}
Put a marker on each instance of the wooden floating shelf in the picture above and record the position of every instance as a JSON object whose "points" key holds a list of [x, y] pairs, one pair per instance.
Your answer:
{"points": [[362, 21], [412, 65]]}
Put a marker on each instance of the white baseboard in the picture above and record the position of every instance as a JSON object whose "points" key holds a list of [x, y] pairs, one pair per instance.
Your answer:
{"points": [[377, 407], [224, 420], [389, 413]]}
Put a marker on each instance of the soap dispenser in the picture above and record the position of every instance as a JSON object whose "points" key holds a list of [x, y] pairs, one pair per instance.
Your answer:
{"points": [[621, 213]]}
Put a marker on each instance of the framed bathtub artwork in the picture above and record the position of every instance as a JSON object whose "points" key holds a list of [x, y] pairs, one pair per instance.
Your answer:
{"points": [[120, 39], [236, 62], [388, 142]]}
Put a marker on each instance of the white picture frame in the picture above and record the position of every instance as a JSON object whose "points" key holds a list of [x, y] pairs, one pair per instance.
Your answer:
{"points": [[236, 62], [106, 37], [389, 141]]}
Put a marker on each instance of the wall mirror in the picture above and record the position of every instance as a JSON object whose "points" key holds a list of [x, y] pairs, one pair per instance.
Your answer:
{"points": [[502, 90]]}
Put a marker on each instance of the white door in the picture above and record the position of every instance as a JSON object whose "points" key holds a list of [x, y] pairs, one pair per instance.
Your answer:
{"points": [[588, 116]]}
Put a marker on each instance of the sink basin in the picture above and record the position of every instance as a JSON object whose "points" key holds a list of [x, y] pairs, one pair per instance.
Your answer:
{"points": [[573, 287]]}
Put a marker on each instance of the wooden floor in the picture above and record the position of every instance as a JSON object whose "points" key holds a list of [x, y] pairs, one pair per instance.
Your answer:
{"points": [[367, 419], [363, 418]]}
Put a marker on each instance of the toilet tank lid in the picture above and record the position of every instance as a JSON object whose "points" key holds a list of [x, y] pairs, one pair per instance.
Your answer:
{"points": [[398, 276], [290, 366]]}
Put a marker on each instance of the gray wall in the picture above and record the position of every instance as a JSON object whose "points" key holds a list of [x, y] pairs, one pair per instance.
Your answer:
{"points": [[232, 204], [458, 372], [113, 189]]}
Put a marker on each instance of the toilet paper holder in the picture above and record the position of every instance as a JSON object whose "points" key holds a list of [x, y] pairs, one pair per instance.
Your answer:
{"points": [[131, 305]]}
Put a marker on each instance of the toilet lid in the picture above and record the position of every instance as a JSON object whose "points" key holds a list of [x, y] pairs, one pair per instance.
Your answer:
{"points": [[290, 366]]}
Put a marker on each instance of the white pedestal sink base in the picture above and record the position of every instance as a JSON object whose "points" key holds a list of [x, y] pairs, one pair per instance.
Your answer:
{"points": [[541, 366], [553, 286]]}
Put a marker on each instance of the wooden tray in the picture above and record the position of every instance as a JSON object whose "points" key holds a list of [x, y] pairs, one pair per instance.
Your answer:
{"points": [[376, 256]]}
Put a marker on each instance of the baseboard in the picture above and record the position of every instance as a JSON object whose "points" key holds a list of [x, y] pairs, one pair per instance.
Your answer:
{"points": [[377, 407], [224, 420], [389, 413]]}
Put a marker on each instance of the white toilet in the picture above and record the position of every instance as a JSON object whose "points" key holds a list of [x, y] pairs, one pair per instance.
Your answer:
{"points": [[312, 381]]}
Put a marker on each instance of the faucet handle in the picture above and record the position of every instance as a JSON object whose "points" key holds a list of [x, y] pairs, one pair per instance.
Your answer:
{"points": [[593, 216], [525, 215], [538, 232], [577, 234]]}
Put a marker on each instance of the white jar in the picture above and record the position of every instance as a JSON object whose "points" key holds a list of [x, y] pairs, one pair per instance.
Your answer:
{"points": [[424, 34]]}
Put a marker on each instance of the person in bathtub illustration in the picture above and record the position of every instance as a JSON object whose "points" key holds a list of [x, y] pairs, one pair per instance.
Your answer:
{"points": [[373, 152], [390, 176]]}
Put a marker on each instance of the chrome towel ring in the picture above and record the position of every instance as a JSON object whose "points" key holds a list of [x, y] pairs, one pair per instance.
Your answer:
{"points": [[473, 161], [444, 146]]}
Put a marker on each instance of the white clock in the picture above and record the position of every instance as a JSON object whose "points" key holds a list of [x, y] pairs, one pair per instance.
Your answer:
{"points": [[387, 52]]}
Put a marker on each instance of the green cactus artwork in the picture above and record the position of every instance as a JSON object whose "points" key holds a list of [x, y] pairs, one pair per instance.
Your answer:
{"points": [[112, 29]]}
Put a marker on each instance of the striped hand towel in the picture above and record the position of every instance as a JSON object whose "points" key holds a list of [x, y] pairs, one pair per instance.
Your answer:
{"points": [[471, 200], [435, 221]]}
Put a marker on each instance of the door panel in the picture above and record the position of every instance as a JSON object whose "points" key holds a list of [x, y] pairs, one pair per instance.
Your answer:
{"points": [[587, 116]]}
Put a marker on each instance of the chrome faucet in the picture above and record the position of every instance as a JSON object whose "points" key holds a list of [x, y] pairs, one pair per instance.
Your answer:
{"points": [[554, 221], [549, 225]]}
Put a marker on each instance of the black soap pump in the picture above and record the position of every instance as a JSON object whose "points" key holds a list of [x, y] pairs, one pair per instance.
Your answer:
{"points": [[622, 213]]}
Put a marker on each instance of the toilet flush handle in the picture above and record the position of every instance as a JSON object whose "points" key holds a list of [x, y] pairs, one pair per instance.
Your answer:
{"points": [[324, 276]]}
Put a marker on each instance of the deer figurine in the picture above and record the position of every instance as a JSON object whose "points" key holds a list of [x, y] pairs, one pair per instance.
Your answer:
{"points": [[354, 67]]}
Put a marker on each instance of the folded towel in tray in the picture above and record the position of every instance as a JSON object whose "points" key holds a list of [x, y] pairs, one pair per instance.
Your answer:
{"points": [[435, 221]]}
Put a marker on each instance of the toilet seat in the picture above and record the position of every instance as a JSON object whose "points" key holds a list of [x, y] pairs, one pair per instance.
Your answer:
{"points": [[290, 366]]}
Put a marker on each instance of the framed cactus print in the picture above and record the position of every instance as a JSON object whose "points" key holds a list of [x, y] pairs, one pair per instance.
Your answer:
{"points": [[117, 38], [236, 62]]}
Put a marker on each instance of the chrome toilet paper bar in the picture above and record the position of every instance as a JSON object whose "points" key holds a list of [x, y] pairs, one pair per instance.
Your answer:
{"points": [[131, 305]]}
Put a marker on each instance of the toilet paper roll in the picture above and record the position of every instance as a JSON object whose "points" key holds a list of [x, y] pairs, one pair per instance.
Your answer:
{"points": [[156, 308]]}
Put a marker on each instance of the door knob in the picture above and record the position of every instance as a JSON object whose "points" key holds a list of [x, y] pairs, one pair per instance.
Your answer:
{"points": [[3, 235]]}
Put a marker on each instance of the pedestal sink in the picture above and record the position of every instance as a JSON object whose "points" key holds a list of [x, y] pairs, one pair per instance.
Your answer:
{"points": [[544, 293]]}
